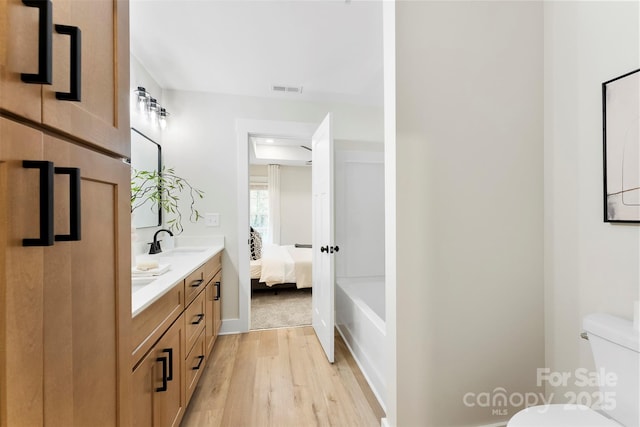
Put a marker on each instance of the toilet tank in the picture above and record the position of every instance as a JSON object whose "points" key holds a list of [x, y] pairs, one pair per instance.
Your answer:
{"points": [[615, 347]]}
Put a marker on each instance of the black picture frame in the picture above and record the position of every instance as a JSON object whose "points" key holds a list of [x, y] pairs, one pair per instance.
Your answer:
{"points": [[621, 148]]}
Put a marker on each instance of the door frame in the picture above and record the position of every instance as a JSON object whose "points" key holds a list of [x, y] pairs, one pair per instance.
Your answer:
{"points": [[244, 129]]}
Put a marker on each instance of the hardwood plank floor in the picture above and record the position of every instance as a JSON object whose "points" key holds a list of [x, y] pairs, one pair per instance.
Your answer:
{"points": [[280, 378]]}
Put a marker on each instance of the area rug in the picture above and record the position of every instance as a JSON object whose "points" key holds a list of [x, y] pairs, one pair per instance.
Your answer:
{"points": [[289, 308]]}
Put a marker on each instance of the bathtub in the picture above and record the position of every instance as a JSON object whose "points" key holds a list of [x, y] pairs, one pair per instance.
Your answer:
{"points": [[360, 319]]}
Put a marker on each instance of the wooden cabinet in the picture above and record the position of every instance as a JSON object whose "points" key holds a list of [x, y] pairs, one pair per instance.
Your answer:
{"points": [[199, 322], [158, 381], [101, 117], [65, 304], [213, 314]]}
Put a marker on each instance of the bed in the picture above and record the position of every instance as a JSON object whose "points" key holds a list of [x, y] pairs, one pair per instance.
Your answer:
{"points": [[282, 267]]}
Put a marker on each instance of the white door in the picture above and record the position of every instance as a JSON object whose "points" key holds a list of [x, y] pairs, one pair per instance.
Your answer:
{"points": [[322, 235]]}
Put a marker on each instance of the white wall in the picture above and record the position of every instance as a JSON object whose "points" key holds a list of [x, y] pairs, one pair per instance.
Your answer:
{"points": [[295, 205], [468, 184], [140, 77], [200, 142], [589, 265], [359, 211]]}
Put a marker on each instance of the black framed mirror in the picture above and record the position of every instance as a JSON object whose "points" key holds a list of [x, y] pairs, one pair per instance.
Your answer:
{"points": [[146, 155]]}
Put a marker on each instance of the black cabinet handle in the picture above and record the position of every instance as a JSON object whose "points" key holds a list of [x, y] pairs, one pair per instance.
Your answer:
{"points": [[200, 317], [44, 43], [324, 249], [196, 283], [195, 368], [75, 71], [217, 285], [46, 202], [164, 373], [170, 351], [74, 205]]}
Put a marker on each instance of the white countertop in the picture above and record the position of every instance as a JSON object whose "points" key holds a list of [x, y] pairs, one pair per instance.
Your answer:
{"points": [[183, 260]]}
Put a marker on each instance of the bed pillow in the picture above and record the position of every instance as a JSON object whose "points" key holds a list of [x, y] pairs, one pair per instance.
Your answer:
{"points": [[255, 244]]}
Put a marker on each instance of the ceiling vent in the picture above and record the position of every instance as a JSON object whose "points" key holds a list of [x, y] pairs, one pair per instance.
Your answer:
{"points": [[286, 89]]}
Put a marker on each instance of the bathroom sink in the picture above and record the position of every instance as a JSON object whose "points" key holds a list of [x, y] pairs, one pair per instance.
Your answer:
{"points": [[138, 283], [184, 251]]}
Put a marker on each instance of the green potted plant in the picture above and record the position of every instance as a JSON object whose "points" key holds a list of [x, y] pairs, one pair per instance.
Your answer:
{"points": [[163, 188]]}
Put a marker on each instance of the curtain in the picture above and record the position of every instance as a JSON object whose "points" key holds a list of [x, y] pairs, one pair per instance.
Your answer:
{"points": [[273, 182]]}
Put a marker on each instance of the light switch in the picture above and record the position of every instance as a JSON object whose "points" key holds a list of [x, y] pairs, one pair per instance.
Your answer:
{"points": [[212, 219]]}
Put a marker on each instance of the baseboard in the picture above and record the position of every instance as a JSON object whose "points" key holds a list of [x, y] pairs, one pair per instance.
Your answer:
{"points": [[230, 327]]}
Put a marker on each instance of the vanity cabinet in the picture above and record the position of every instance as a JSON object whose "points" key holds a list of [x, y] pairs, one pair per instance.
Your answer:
{"points": [[82, 93], [158, 381], [191, 306]]}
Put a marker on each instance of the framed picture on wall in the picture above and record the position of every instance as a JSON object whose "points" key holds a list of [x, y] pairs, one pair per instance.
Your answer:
{"points": [[621, 140]]}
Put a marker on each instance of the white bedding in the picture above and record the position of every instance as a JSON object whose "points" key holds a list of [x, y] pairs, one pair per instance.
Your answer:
{"points": [[285, 264]]}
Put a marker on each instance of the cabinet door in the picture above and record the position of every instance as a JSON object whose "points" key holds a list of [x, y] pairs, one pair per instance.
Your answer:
{"points": [[21, 284], [19, 51], [102, 116], [212, 311], [169, 405], [87, 292], [217, 306], [158, 396]]}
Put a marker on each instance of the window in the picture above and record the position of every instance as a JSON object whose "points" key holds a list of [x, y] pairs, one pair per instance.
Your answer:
{"points": [[259, 209]]}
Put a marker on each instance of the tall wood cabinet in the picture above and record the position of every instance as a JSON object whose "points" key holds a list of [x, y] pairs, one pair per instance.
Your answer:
{"points": [[65, 285], [36, 43]]}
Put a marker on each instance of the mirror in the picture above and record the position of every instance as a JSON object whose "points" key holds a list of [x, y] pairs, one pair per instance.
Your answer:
{"points": [[145, 155]]}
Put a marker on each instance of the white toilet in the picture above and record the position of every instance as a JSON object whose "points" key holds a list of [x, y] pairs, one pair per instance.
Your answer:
{"points": [[614, 344]]}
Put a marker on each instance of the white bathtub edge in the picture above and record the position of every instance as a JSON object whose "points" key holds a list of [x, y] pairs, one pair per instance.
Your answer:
{"points": [[372, 384]]}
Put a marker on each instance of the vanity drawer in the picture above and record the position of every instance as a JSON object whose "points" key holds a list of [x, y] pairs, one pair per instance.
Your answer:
{"points": [[212, 266], [148, 326], [194, 365], [193, 284], [194, 318]]}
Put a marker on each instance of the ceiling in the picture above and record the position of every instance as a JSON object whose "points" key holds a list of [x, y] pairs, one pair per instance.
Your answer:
{"points": [[330, 48], [283, 151]]}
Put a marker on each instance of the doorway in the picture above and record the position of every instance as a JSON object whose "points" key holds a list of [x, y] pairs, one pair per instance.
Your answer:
{"points": [[247, 129]]}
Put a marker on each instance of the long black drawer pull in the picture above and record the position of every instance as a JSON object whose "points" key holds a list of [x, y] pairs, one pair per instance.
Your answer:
{"points": [[200, 317], [46, 202], [164, 373], [196, 283], [217, 285], [75, 69], [170, 351], [195, 368], [74, 205], [44, 75]]}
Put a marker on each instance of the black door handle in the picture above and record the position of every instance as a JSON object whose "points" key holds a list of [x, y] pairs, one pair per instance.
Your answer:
{"points": [[170, 351], [164, 373], [44, 43], [75, 69], [74, 205], [324, 249], [217, 285], [333, 249], [46, 202]]}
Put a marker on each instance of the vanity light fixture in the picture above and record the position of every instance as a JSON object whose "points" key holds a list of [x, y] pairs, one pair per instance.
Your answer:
{"points": [[162, 120], [149, 106]]}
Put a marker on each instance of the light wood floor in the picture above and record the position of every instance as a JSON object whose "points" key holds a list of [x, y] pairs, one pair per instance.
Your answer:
{"points": [[280, 378]]}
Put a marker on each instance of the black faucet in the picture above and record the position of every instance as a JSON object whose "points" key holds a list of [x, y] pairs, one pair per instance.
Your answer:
{"points": [[155, 245]]}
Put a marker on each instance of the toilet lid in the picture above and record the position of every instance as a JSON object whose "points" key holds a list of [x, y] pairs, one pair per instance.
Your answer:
{"points": [[560, 416]]}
